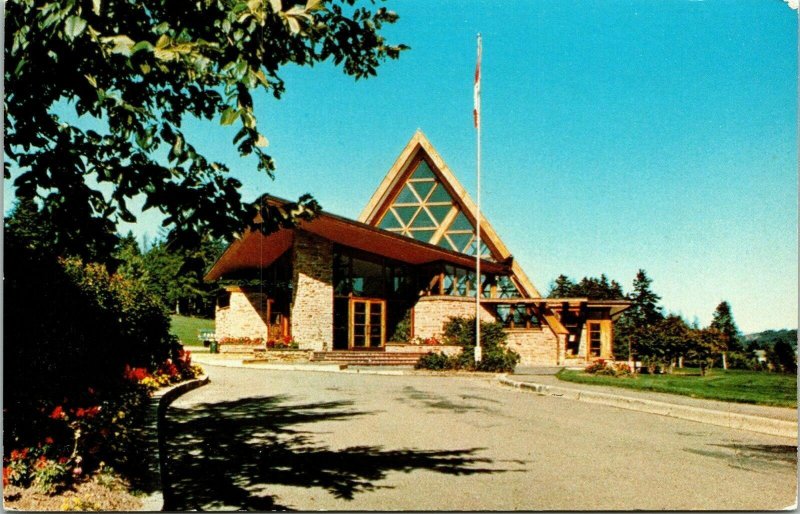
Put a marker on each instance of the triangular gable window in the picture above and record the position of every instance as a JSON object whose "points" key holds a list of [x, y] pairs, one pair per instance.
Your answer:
{"points": [[421, 209], [423, 172]]}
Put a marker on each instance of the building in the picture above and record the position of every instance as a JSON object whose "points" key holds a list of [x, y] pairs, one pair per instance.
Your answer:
{"points": [[392, 278]]}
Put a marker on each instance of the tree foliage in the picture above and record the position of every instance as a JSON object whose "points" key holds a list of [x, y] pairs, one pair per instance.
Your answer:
{"points": [[589, 287], [723, 322], [97, 94], [175, 274]]}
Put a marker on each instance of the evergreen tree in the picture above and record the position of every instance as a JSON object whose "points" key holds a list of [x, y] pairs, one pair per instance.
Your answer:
{"points": [[632, 327], [561, 288], [728, 332], [589, 287], [175, 274], [644, 308]]}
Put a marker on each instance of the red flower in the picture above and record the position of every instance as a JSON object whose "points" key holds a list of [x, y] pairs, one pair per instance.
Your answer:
{"points": [[92, 411], [6, 475], [79, 413], [62, 460], [41, 462], [19, 454], [48, 440], [135, 374], [58, 413]]}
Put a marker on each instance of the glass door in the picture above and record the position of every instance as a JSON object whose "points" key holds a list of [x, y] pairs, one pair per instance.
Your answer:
{"points": [[367, 323]]}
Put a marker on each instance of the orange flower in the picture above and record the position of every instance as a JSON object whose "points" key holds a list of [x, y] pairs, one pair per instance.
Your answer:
{"points": [[58, 413]]}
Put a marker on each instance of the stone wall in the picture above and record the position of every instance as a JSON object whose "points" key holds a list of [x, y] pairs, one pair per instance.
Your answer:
{"points": [[242, 317], [312, 297], [284, 356], [431, 313], [446, 349], [536, 347]]}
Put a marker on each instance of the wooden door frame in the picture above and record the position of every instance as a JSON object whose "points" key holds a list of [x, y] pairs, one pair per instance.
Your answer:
{"points": [[367, 313], [589, 324]]}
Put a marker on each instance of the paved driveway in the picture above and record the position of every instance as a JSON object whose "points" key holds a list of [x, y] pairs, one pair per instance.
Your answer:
{"points": [[264, 440]]}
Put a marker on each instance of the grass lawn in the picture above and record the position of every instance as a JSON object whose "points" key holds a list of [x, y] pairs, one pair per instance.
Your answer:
{"points": [[757, 387], [187, 328]]}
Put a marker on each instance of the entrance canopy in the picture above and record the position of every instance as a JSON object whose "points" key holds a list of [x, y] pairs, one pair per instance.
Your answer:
{"points": [[254, 250]]}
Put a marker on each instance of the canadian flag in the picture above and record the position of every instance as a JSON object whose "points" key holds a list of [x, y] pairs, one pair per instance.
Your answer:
{"points": [[476, 112]]}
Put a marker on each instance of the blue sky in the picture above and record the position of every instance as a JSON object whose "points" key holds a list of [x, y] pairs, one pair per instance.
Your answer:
{"points": [[617, 135]]}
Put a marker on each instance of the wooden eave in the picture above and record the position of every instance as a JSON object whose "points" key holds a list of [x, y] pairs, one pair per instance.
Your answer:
{"points": [[417, 148], [254, 250], [616, 307]]}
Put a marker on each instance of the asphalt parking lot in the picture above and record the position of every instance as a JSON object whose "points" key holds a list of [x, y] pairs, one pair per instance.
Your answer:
{"points": [[265, 439]]}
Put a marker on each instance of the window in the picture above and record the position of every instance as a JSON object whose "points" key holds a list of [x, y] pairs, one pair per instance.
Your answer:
{"points": [[595, 340], [224, 299], [518, 316], [425, 210]]}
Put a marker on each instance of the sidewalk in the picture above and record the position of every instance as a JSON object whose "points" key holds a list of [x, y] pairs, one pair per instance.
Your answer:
{"points": [[777, 421], [545, 376]]}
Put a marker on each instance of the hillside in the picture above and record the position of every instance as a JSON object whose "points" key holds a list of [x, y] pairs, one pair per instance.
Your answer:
{"points": [[770, 337]]}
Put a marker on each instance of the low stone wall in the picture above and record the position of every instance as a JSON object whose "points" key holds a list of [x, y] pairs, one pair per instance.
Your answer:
{"points": [[536, 347], [287, 356], [239, 348], [446, 349], [431, 313]]}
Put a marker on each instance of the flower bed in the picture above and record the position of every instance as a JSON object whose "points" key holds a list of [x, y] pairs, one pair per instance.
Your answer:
{"points": [[284, 343], [72, 441]]}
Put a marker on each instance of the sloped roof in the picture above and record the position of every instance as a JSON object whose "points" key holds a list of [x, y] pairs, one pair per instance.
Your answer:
{"points": [[398, 204], [254, 250]]}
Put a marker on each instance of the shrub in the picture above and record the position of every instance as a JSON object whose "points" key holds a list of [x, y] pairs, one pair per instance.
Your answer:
{"points": [[740, 360], [461, 331], [602, 367], [498, 360], [434, 361], [596, 366], [49, 475]]}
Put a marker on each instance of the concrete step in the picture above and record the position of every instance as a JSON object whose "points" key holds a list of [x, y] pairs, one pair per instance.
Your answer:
{"points": [[368, 358]]}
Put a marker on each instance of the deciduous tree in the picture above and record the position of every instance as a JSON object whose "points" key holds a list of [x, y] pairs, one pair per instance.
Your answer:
{"points": [[97, 93]]}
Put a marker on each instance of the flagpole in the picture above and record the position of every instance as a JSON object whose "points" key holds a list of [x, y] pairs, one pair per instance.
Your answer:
{"points": [[478, 284]]}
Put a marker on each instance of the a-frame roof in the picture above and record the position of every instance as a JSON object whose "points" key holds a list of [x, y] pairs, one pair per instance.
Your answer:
{"points": [[420, 197]]}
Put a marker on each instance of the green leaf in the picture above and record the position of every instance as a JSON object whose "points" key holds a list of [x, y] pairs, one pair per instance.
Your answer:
{"points": [[74, 26], [229, 115], [314, 5], [121, 44], [142, 45]]}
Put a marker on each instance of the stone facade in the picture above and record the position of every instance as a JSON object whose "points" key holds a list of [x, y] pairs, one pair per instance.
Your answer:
{"points": [[431, 313], [243, 316], [536, 347], [312, 296]]}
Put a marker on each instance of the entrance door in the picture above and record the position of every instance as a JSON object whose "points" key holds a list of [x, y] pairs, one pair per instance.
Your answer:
{"points": [[367, 323]]}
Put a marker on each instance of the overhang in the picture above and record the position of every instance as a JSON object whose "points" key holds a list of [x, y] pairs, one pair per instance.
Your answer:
{"points": [[254, 250]]}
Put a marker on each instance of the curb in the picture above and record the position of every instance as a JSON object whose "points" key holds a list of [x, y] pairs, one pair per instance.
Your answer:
{"points": [[738, 421], [155, 440]]}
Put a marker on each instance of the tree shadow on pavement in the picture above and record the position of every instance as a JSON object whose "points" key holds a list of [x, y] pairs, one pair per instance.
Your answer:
{"points": [[752, 457], [228, 454]]}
